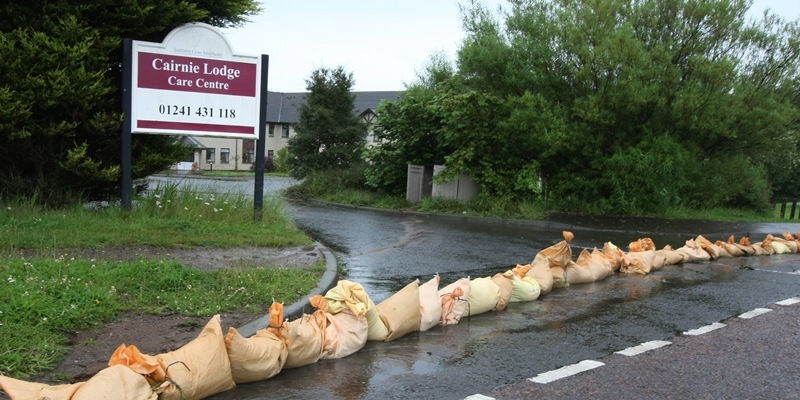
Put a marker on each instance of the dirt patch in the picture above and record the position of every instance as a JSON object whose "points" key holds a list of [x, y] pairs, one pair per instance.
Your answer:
{"points": [[90, 350]]}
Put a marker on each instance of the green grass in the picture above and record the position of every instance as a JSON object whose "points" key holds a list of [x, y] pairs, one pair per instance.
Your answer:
{"points": [[43, 297], [166, 217], [40, 299]]}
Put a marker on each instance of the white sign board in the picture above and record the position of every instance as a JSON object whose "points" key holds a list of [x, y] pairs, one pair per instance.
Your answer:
{"points": [[193, 84]]}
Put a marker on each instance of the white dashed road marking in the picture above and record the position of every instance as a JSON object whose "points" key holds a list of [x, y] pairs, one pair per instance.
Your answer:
{"points": [[479, 397], [646, 346], [563, 372], [704, 329], [788, 302], [755, 313]]}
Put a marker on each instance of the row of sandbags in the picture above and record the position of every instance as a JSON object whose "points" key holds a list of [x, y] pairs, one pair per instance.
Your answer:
{"points": [[346, 319]]}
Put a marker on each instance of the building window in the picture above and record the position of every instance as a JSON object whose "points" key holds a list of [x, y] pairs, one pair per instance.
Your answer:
{"points": [[270, 154], [248, 151], [285, 133], [211, 155], [377, 132], [271, 130], [224, 156]]}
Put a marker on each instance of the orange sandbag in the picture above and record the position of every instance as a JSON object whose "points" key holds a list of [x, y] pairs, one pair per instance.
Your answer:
{"points": [[744, 245], [638, 262], [430, 305], [256, 358], [557, 256], [712, 249], [400, 312], [732, 249], [521, 270], [692, 252], [672, 256], [145, 365], [598, 264], [117, 382], [198, 369], [22, 390], [506, 287], [579, 273], [345, 334], [524, 288], [305, 339], [455, 300], [483, 296], [540, 272], [643, 244], [613, 253]]}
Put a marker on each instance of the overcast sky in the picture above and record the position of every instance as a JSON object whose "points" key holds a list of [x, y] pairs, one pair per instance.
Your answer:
{"points": [[383, 43]]}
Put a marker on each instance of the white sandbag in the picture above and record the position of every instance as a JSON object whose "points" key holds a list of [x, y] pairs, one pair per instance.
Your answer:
{"points": [[524, 289], [430, 305], [455, 301]]}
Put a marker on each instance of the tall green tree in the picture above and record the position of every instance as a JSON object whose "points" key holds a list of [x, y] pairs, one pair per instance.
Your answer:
{"points": [[329, 135], [60, 79], [625, 105]]}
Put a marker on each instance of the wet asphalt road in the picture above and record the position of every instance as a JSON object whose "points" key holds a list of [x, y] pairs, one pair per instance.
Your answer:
{"points": [[495, 353]]}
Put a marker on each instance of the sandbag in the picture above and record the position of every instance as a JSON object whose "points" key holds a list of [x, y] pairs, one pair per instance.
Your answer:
{"points": [[345, 334], [638, 262], [713, 250], [483, 296], [455, 300], [732, 249], [579, 273], [672, 256], [24, 390], [348, 294], [613, 253], [692, 252], [305, 339], [643, 244], [744, 245], [145, 365], [256, 358], [400, 312], [523, 288], [599, 265], [430, 305], [198, 369], [506, 287], [117, 382], [780, 246], [659, 260], [557, 257], [791, 241], [540, 272]]}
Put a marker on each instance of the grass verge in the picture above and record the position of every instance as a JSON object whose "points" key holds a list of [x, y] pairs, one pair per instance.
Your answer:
{"points": [[42, 298]]}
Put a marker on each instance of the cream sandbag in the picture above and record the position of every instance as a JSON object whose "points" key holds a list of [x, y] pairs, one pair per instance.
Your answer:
{"points": [[455, 300], [483, 296], [198, 369], [23, 390], [256, 358], [345, 334], [430, 305], [117, 382], [524, 288], [400, 312]]}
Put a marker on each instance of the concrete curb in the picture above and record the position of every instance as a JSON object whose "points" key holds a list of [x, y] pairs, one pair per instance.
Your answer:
{"points": [[329, 280]]}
